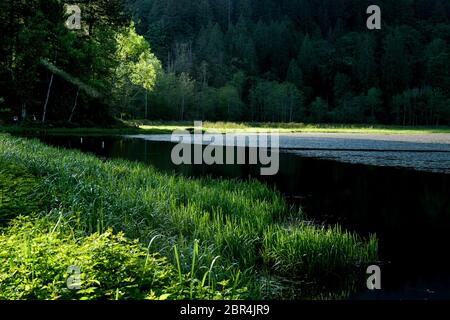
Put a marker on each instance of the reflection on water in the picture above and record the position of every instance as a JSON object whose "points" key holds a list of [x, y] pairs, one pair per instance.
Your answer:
{"points": [[419, 152], [408, 210]]}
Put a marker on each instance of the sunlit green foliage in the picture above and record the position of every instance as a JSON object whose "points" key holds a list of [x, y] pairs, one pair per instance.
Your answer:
{"points": [[136, 73], [308, 249], [36, 256]]}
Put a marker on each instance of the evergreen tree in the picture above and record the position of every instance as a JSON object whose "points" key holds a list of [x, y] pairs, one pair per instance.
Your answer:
{"points": [[396, 75]]}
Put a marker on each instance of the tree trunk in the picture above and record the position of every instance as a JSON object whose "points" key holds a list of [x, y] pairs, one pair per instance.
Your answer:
{"points": [[146, 105], [44, 114], [182, 108], [74, 106], [229, 14], [24, 111]]}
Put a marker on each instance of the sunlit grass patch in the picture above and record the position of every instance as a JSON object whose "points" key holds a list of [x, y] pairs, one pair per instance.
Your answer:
{"points": [[36, 256], [311, 250], [287, 128]]}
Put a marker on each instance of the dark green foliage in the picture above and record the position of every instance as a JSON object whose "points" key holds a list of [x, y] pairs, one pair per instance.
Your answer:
{"points": [[212, 49], [19, 192], [414, 105], [36, 44], [322, 47]]}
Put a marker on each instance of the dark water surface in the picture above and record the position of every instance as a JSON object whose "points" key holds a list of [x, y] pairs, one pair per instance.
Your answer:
{"points": [[409, 210]]}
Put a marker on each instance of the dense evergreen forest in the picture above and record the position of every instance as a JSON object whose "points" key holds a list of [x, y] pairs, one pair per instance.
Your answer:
{"points": [[228, 60]]}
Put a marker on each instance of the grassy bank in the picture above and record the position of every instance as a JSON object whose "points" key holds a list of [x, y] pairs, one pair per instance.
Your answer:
{"points": [[220, 238], [224, 127], [147, 127], [83, 131]]}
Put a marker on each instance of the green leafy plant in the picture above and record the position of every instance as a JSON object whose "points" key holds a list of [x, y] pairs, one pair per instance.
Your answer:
{"points": [[36, 255]]}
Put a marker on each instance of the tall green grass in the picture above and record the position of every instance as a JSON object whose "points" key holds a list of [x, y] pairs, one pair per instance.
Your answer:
{"points": [[234, 226], [19, 192], [309, 250]]}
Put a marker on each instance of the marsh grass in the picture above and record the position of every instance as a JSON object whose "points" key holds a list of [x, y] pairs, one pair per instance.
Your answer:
{"points": [[308, 250], [225, 232], [19, 192], [224, 127]]}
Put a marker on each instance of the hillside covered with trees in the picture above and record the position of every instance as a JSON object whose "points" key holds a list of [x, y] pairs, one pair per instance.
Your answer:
{"points": [[228, 60]]}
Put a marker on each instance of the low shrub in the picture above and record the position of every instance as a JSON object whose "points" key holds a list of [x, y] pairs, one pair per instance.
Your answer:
{"points": [[36, 257]]}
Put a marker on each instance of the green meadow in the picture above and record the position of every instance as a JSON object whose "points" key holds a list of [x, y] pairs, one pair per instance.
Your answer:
{"points": [[154, 127], [287, 128]]}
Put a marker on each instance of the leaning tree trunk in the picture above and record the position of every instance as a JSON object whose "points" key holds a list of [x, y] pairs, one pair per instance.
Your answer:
{"points": [[44, 114], [74, 106]]}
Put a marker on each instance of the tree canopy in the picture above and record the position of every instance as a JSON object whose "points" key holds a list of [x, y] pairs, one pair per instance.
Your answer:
{"points": [[321, 50], [235, 60]]}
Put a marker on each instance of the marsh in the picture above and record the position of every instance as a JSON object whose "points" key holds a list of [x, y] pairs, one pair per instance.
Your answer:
{"points": [[352, 180]]}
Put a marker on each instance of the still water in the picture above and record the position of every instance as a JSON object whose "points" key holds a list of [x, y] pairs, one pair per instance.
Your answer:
{"points": [[398, 190]]}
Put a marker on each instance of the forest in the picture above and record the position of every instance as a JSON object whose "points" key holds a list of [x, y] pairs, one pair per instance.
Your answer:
{"points": [[305, 61]]}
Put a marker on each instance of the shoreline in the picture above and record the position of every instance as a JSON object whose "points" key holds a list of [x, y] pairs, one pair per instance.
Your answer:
{"points": [[285, 129]]}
